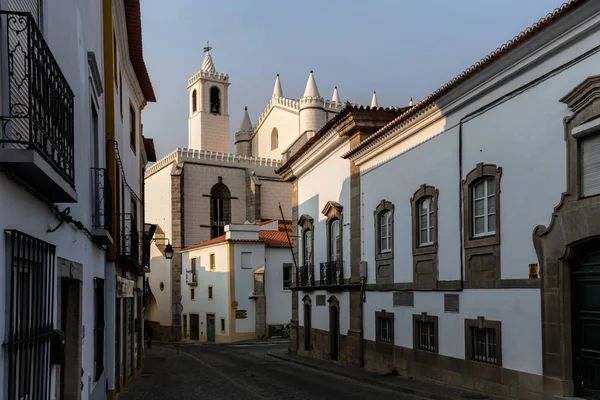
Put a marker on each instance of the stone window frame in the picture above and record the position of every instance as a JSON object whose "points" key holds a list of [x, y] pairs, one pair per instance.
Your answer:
{"points": [[212, 260], [383, 258], [211, 293], [192, 294], [424, 317], [428, 254], [334, 302], [380, 346], [485, 249], [333, 212], [307, 303], [306, 223], [482, 323], [223, 325]]}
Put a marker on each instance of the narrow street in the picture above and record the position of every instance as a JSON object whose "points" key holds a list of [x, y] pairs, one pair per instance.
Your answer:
{"points": [[243, 371]]}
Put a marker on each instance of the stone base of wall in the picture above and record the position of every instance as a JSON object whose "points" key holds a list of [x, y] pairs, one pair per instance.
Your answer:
{"points": [[162, 333], [470, 375]]}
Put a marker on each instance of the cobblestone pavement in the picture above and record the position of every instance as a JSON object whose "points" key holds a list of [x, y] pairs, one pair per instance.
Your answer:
{"points": [[243, 371]]}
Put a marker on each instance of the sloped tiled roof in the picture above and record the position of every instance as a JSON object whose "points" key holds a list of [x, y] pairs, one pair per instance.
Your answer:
{"points": [[475, 68], [271, 239]]}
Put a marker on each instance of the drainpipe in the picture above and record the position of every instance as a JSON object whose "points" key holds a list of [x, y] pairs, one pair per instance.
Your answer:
{"points": [[363, 295]]}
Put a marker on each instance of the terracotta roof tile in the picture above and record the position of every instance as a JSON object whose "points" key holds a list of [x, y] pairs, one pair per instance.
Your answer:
{"points": [[134, 36], [478, 66]]}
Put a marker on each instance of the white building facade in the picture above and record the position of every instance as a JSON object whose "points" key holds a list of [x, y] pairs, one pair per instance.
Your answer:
{"points": [[58, 217], [471, 253], [237, 286]]}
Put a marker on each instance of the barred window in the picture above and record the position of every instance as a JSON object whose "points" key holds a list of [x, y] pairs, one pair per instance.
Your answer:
{"points": [[287, 276], [425, 335], [483, 343], [385, 330]]}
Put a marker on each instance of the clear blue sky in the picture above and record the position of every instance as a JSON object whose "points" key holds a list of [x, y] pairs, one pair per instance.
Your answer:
{"points": [[399, 48]]}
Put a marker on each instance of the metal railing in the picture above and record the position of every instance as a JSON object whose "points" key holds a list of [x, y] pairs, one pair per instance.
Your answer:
{"points": [[332, 273], [129, 239], [39, 111], [305, 276], [102, 217], [191, 277], [30, 312]]}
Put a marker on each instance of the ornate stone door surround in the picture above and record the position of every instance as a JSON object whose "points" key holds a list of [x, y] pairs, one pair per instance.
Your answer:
{"points": [[560, 244]]}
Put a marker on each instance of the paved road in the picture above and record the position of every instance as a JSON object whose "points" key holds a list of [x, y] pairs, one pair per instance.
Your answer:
{"points": [[208, 372]]}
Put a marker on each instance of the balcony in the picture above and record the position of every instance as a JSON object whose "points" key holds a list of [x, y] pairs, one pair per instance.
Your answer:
{"points": [[36, 112], [128, 242], [332, 273], [191, 277], [102, 207], [305, 276]]}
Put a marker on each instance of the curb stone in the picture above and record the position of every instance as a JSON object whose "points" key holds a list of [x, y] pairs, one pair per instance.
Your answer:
{"points": [[396, 388]]}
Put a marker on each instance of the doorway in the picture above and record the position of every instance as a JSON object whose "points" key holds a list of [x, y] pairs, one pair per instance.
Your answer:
{"points": [[334, 331], [70, 324], [195, 326], [586, 325], [307, 326], [210, 327]]}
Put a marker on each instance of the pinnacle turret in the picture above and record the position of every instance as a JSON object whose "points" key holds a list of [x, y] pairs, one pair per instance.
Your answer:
{"points": [[207, 64], [311, 87], [277, 91], [336, 96], [246, 125], [374, 100]]}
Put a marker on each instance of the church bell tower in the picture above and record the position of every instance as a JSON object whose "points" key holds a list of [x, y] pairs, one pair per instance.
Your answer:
{"points": [[208, 126]]}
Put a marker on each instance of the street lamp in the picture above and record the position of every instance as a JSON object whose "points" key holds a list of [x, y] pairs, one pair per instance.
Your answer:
{"points": [[168, 248]]}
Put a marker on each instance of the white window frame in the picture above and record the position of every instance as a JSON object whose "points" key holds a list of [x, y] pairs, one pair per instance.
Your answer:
{"points": [[426, 208], [385, 221], [486, 213]]}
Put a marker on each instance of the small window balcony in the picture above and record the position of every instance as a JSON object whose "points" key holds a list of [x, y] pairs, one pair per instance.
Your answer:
{"points": [[191, 277], [305, 276], [36, 112], [332, 273], [102, 207], [128, 242]]}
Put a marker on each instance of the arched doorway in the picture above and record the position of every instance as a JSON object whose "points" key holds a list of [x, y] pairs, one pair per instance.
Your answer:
{"points": [[307, 322], [334, 328], [585, 322]]}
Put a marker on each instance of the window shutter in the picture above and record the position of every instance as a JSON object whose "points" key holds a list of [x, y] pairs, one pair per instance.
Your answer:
{"points": [[590, 165]]}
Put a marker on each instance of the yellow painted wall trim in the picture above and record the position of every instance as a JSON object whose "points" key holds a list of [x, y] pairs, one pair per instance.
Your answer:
{"points": [[238, 337]]}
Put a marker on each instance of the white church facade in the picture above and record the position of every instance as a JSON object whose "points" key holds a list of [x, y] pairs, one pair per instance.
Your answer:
{"points": [[459, 241], [199, 194]]}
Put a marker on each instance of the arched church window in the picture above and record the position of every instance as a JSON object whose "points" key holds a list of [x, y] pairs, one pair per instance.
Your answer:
{"points": [[220, 208], [274, 139], [215, 101], [194, 98]]}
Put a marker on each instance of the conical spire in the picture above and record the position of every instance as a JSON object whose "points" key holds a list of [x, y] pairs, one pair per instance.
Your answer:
{"points": [[410, 103], [336, 96], [207, 64], [374, 100], [311, 87], [246, 125], [277, 91]]}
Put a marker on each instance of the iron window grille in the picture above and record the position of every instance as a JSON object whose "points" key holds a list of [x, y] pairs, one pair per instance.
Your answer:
{"points": [[483, 344], [425, 331], [40, 103], [190, 276], [129, 244], [332, 273], [384, 331], [287, 276], [31, 263]]}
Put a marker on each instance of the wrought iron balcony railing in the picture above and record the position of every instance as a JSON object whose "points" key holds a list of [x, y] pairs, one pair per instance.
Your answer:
{"points": [[191, 277], [128, 248], [332, 273], [102, 211], [37, 114], [305, 276]]}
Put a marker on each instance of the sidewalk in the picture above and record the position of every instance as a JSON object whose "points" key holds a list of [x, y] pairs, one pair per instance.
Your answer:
{"points": [[425, 388]]}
